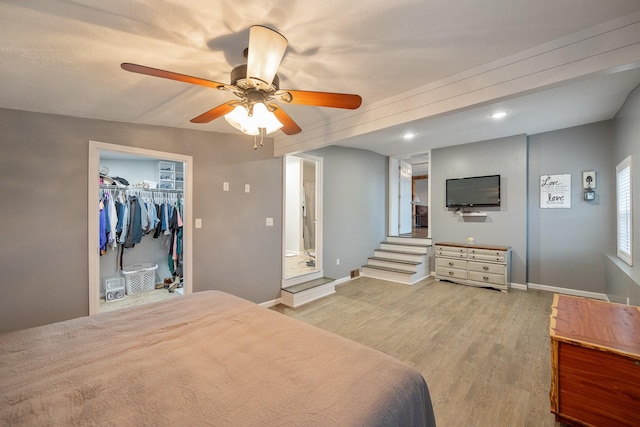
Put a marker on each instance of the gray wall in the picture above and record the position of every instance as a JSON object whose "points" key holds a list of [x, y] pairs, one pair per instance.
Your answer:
{"points": [[43, 186], [505, 225], [354, 207], [566, 246], [624, 281]]}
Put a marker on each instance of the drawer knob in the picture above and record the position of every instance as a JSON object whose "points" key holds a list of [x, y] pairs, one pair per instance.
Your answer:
{"points": [[485, 278], [450, 263], [484, 267], [451, 273]]}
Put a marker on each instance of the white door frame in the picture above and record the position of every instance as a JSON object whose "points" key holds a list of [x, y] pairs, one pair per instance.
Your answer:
{"points": [[405, 202], [394, 195], [290, 281], [95, 147]]}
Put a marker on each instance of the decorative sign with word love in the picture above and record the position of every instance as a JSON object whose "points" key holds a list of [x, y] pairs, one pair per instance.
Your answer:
{"points": [[555, 191]]}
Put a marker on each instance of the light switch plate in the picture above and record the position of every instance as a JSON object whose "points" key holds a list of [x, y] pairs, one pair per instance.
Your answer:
{"points": [[225, 186], [269, 222], [198, 222], [247, 188]]}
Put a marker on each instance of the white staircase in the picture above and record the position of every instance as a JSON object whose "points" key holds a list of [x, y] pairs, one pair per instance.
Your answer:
{"points": [[400, 259]]}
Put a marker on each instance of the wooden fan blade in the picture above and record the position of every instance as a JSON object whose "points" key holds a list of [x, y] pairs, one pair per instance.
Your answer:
{"points": [[141, 69], [321, 99], [289, 127], [214, 113]]}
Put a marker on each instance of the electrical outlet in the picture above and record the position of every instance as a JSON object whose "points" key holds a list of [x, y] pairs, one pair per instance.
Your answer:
{"points": [[337, 261], [247, 188], [225, 186], [198, 222], [269, 222]]}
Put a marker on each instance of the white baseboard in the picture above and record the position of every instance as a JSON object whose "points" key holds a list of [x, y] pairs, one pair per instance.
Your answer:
{"points": [[342, 281], [566, 291], [518, 286]]}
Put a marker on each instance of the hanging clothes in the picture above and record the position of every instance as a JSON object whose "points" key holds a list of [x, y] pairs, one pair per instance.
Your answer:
{"points": [[112, 220], [103, 228], [175, 247], [128, 214], [134, 234]]}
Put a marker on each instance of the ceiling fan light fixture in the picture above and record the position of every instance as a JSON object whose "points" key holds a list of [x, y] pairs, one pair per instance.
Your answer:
{"points": [[260, 118], [239, 119], [265, 119], [266, 49]]}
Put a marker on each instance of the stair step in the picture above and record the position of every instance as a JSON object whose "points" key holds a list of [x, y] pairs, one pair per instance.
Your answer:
{"points": [[407, 268], [399, 255], [303, 293], [395, 270], [300, 287], [411, 248], [399, 261], [393, 274], [416, 240]]}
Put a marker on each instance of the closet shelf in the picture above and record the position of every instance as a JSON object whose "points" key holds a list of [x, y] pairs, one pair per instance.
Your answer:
{"points": [[149, 190]]}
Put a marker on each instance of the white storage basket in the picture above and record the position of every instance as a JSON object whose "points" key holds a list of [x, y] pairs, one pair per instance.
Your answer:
{"points": [[140, 277]]}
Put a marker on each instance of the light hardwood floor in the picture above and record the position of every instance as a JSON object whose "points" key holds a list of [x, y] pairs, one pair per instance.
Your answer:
{"points": [[484, 354]]}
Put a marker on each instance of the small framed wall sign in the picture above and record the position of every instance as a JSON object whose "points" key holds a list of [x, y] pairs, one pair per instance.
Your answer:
{"points": [[589, 179], [555, 191]]}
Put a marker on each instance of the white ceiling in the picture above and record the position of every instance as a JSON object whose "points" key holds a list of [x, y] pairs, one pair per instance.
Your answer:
{"points": [[64, 56]]}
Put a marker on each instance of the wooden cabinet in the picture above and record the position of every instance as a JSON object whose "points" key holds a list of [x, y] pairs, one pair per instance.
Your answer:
{"points": [[476, 265], [595, 362]]}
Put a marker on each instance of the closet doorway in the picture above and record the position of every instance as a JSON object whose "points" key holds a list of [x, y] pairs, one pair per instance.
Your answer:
{"points": [[166, 191], [302, 229]]}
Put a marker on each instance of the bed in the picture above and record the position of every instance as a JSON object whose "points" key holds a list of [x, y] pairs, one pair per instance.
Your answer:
{"points": [[208, 358]]}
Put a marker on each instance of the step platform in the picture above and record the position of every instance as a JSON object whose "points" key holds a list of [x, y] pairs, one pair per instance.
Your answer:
{"points": [[303, 293]]}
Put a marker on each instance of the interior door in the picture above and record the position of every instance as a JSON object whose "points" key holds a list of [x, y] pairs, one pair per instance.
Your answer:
{"points": [[405, 206]]}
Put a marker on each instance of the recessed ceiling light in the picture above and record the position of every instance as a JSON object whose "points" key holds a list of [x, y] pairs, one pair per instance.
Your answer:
{"points": [[498, 115], [409, 135]]}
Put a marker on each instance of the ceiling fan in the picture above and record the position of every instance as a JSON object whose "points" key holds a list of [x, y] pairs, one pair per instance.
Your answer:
{"points": [[257, 86]]}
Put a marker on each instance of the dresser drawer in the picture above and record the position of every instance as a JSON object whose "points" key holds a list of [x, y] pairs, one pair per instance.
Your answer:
{"points": [[453, 273], [485, 267], [451, 263], [451, 251], [489, 278], [485, 257]]}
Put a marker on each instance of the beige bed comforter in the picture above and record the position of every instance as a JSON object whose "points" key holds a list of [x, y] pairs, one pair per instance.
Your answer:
{"points": [[205, 359]]}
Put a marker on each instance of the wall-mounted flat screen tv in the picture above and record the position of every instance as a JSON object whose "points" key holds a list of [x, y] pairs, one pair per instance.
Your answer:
{"points": [[473, 191]]}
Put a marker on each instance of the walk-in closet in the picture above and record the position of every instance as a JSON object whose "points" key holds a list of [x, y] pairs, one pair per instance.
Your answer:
{"points": [[141, 229]]}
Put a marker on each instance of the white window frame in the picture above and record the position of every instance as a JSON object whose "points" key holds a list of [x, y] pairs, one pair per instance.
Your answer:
{"points": [[624, 211]]}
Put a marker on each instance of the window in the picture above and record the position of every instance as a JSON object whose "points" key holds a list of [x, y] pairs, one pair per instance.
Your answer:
{"points": [[623, 201]]}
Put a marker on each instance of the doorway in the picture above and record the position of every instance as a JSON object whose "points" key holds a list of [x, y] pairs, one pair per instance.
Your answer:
{"points": [[302, 228], [408, 178], [98, 149]]}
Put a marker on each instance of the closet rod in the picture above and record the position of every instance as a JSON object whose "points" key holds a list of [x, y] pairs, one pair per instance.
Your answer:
{"points": [[149, 190]]}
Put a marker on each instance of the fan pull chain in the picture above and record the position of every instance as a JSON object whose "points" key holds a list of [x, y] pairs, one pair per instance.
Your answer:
{"points": [[255, 139]]}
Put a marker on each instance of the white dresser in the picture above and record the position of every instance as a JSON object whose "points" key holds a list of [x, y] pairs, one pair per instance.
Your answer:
{"points": [[476, 265]]}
